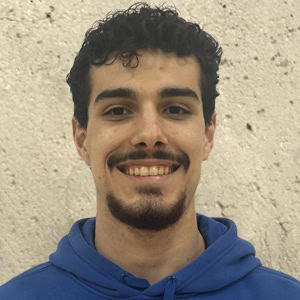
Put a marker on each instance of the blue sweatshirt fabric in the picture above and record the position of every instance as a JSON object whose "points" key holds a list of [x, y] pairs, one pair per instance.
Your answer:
{"points": [[226, 270]]}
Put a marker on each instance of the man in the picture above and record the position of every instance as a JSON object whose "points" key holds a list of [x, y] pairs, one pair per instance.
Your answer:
{"points": [[144, 89]]}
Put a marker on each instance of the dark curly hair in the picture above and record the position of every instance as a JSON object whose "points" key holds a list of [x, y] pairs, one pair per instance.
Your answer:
{"points": [[123, 33]]}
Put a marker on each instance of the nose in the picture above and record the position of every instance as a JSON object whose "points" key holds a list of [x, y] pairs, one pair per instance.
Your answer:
{"points": [[149, 132]]}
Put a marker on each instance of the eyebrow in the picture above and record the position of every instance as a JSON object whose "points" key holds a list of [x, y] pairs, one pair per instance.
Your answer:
{"points": [[117, 93], [178, 92], [128, 93]]}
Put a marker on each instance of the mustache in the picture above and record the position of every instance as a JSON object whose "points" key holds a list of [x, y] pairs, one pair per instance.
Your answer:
{"points": [[118, 158]]}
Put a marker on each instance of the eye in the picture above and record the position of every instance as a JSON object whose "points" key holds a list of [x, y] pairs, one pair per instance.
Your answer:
{"points": [[117, 111], [176, 110]]}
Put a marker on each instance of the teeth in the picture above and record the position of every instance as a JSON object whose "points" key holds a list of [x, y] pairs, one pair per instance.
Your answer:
{"points": [[145, 171], [161, 171], [136, 171], [153, 171]]}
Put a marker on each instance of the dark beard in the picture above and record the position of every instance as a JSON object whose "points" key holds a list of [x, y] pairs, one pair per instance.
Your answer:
{"points": [[150, 213]]}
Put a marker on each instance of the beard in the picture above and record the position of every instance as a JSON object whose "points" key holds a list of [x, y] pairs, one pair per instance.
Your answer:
{"points": [[150, 212]]}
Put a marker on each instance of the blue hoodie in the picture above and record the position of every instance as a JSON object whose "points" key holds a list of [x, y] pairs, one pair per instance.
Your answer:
{"points": [[226, 270]]}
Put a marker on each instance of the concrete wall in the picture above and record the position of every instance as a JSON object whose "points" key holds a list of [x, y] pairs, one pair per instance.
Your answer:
{"points": [[253, 173]]}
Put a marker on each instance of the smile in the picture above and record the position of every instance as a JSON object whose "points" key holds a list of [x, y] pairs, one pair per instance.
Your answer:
{"points": [[138, 170]]}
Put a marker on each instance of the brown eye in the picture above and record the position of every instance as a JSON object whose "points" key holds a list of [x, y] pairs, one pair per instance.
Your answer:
{"points": [[117, 111], [176, 110]]}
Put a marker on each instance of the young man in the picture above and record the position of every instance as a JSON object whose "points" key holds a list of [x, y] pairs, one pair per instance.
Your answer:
{"points": [[144, 89]]}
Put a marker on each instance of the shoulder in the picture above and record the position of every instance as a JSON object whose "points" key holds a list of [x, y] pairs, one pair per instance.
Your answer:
{"points": [[273, 284], [32, 283]]}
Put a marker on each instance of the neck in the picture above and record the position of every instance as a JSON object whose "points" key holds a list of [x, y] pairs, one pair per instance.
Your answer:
{"points": [[146, 254]]}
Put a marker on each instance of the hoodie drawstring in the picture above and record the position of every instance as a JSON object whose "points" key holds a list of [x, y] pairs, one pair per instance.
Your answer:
{"points": [[170, 288], [134, 282], [142, 284]]}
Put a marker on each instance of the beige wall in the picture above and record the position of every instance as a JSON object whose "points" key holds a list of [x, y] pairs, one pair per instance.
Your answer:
{"points": [[253, 173]]}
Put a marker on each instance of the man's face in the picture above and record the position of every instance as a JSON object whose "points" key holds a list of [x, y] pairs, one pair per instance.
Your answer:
{"points": [[146, 138]]}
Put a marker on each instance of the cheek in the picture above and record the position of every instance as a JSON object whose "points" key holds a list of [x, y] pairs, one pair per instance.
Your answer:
{"points": [[194, 142], [96, 148], [103, 143], [195, 152]]}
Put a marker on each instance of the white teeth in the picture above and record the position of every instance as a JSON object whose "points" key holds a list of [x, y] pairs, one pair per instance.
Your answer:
{"points": [[144, 171], [161, 171], [136, 171], [148, 171], [153, 171]]}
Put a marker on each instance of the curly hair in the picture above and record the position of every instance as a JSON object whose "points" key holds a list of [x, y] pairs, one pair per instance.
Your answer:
{"points": [[123, 33]]}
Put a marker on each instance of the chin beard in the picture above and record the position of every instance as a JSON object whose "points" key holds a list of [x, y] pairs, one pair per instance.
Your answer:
{"points": [[150, 213]]}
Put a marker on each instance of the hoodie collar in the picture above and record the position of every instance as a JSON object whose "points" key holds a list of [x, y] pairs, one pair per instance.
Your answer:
{"points": [[226, 259]]}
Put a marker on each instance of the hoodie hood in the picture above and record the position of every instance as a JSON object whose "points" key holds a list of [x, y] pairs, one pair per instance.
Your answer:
{"points": [[227, 259]]}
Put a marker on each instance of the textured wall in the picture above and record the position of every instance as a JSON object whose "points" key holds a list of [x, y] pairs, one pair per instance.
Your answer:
{"points": [[253, 173]]}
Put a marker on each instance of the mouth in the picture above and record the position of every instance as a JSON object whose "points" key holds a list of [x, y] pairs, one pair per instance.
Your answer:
{"points": [[142, 171]]}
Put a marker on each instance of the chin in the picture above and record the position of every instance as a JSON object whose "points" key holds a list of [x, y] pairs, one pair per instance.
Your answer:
{"points": [[150, 212]]}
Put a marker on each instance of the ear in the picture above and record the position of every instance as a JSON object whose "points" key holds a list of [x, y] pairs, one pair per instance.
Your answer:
{"points": [[79, 136], [209, 133]]}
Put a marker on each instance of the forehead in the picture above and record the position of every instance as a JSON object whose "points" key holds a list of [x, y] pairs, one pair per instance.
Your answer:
{"points": [[155, 70]]}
